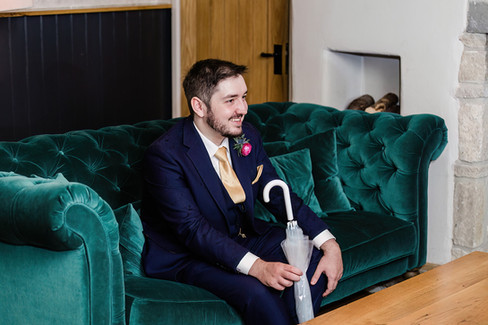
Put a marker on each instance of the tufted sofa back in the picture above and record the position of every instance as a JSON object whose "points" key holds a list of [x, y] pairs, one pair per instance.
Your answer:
{"points": [[380, 156], [108, 160]]}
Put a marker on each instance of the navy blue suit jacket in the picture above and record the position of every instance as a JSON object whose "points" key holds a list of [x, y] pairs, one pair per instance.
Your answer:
{"points": [[185, 205]]}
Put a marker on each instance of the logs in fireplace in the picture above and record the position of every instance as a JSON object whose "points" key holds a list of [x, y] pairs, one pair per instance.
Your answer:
{"points": [[387, 103]]}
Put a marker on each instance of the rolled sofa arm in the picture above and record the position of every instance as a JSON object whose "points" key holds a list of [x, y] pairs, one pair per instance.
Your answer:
{"points": [[60, 243], [34, 211]]}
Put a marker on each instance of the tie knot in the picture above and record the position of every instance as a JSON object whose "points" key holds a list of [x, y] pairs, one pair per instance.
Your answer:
{"points": [[221, 154]]}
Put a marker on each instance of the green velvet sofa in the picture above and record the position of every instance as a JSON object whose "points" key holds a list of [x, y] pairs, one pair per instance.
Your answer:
{"points": [[70, 236]]}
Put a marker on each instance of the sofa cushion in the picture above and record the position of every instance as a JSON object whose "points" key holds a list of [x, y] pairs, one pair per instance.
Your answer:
{"points": [[322, 146], [369, 240], [131, 238], [295, 168], [155, 301]]}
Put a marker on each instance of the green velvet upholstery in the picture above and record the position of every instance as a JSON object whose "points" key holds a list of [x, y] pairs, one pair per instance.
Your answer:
{"points": [[71, 239], [295, 168], [153, 301], [60, 260], [131, 237], [325, 171]]}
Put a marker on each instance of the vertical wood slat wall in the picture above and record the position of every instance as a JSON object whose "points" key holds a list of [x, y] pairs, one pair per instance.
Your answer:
{"points": [[84, 70]]}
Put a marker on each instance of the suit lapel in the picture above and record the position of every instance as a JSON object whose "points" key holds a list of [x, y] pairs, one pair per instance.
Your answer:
{"points": [[199, 157]]}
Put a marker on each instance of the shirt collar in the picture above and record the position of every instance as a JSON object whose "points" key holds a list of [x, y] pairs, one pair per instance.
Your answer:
{"points": [[209, 145]]}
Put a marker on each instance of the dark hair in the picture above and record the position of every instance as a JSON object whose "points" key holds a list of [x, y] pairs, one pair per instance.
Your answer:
{"points": [[204, 76]]}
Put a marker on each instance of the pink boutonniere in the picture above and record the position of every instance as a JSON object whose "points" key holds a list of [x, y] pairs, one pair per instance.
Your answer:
{"points": [[242, 145]]}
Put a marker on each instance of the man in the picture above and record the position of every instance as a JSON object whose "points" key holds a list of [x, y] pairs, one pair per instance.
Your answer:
{"points": [[203, 232]]}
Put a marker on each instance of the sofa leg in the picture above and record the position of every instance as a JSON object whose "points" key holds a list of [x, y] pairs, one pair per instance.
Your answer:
{"points": [[417, 271], [411, 273]]}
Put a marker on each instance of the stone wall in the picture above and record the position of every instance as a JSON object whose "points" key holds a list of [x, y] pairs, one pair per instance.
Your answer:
{"points": [[470, 231]]}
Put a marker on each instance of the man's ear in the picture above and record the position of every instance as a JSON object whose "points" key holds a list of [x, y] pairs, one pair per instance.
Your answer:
{"points": [[198, 106]]}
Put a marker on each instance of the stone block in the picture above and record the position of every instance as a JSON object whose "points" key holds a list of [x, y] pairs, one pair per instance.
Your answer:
{"points": [[473, 130], [472, 90], [474, 41], [471, 170], [477, 16], [458, 252], [474, 66], [470, 206]]}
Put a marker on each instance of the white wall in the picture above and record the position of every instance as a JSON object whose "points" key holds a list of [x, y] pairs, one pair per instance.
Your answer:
{"points": [[83, 4], [425, 35], [14, 4]]}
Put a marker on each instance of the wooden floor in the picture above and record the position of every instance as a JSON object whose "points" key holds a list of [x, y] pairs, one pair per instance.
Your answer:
{"points": [[454, 293]]}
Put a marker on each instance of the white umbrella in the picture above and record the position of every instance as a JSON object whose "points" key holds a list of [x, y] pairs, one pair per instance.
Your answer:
{"points": [[298, 250]]}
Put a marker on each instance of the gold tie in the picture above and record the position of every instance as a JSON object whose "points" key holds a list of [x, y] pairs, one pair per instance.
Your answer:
{"points": [[229, 177]]}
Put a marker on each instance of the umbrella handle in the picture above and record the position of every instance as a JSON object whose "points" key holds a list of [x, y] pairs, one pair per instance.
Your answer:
{"points": [[286, 193]]}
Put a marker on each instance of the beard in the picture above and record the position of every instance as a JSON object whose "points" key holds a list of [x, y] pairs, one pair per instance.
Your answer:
{"points": [[221, 128]]}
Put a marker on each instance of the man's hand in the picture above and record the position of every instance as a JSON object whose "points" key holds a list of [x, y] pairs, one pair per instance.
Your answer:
{"points": [[275, 274], [330, 265]]}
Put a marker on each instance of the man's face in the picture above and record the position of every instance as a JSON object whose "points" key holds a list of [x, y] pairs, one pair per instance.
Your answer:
{"points": [[228, 107]]}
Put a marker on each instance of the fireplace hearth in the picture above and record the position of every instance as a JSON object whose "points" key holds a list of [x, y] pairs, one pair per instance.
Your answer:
{"points": [[350, 75]]}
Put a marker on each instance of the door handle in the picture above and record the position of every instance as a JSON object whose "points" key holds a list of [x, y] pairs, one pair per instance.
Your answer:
{"points": [[277, 56]]}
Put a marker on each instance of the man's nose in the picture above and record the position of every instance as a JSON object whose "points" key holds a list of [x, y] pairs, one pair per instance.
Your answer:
{"points": [[241, 106]]}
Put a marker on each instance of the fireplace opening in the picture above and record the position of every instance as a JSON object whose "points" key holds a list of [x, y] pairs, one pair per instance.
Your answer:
{"points": [[350, 76]]}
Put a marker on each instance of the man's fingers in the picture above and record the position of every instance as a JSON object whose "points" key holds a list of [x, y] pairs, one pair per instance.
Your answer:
{"points": [[286, 283], [275, 274], [315, 277], [331, 285], [292, 269]]}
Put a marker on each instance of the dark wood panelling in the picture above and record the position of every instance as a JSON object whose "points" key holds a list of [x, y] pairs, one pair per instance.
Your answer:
{"points": [[77, 71]]}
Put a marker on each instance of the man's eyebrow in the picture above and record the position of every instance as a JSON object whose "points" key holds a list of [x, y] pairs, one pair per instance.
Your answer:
{"points": [[233, 95]]}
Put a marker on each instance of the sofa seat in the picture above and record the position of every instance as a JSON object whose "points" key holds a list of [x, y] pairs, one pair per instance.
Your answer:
{"points": [[155, 301], [370, 242]]}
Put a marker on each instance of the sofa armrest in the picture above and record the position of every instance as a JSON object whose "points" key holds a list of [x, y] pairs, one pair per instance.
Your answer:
{"points": [[60, 253], [36, 212]]}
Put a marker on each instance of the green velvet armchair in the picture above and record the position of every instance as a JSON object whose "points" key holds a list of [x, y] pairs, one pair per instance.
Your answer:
{"points": [[71, 238]]}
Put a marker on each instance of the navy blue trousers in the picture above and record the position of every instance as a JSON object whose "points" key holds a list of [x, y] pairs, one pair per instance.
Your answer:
{"points": [[257, 303]]}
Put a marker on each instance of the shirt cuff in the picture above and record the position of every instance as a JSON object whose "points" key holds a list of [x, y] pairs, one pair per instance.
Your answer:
{"points": [[246, 263], [322, 238]]}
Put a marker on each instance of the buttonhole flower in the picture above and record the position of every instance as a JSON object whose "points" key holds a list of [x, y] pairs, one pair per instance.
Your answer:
{"points": [[242, 145]]}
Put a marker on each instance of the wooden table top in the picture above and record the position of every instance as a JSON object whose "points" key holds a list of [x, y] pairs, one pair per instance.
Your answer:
{"points": [[453, 293]]}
